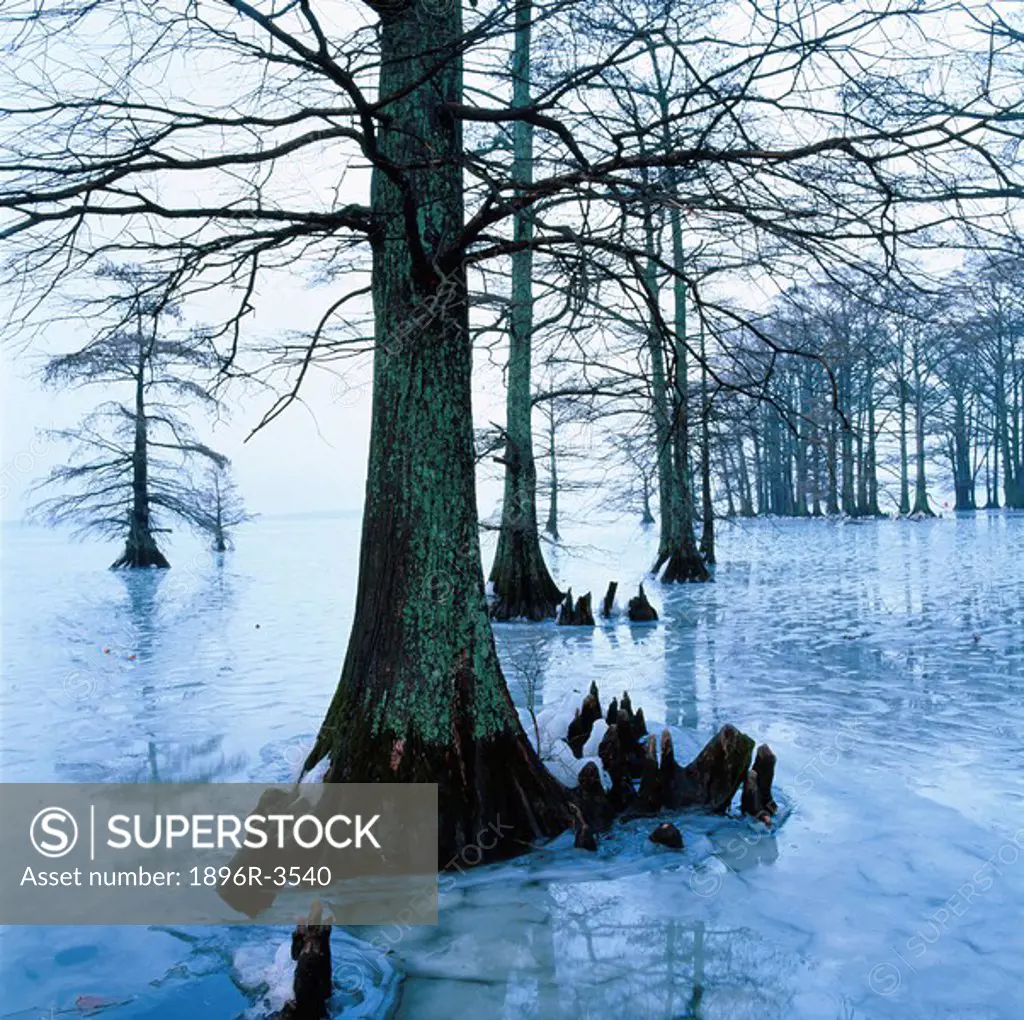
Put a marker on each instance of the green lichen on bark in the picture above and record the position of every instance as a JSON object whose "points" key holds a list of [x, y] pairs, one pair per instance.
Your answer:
{"points": [[421, 696]]}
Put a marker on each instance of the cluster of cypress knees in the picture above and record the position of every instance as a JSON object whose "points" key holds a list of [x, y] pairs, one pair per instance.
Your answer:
{"points": [[581, 614], [642, 784]]}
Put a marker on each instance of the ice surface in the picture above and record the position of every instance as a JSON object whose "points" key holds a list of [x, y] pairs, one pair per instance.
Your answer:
{"points": [[882, 662]]}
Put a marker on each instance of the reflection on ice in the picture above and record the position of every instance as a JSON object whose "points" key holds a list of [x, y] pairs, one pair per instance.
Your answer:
{"points": [[882, 663]]}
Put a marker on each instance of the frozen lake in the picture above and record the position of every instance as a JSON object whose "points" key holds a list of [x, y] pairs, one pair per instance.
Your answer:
{"points": [[884, 663]]}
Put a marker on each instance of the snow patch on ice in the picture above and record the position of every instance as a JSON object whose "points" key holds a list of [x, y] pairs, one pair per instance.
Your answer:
{"points": [[265, 972]]}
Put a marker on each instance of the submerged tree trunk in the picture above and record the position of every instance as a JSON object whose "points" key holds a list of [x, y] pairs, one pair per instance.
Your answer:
{"points": [[993, 500], [746, 502], [725, 466], [921, 483], [140, 548], [871, 463], [522, 585], [707, 537], [646, 516], [849, 503], [421, 696], [904, 453], [832, 494], [219, 540], [960, 457], [862, 474], [677, 546], [800, 445], [815, 469]]}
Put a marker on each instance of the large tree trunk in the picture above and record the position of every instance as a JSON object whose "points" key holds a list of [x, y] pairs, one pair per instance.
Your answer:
{"points": [[522, 585], [140, 549], [421, 696]]}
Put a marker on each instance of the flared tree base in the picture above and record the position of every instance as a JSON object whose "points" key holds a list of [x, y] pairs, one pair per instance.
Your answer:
{"points": [[140, 555], [524, 605], [523, 588], [495, 797], [682, 567]]}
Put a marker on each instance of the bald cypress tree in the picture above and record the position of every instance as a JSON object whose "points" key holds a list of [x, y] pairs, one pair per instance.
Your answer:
{"points": [[128, 473]]}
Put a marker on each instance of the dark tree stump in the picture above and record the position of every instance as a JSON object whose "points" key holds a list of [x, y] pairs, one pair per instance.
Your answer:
{"points": [[757, 789], [583, 835], [613, 758], [609, 599], [582, 724], [593, 800], [711, 780], [610, 751], [639, 725], [668, 835], [627, 720], [640, 610], [750, 798], [650, 797], [613, 712], [632, 750], [577, 735], [591, 707], [313, 982], [578, 615], [565, 609], [668, 759], [764, 765]]}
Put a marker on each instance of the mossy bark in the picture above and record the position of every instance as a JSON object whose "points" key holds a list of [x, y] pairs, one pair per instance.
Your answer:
{"points": [[421, 696]]}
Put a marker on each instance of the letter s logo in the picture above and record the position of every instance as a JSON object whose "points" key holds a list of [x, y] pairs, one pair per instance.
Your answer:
{"points": [[48, 832]]}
